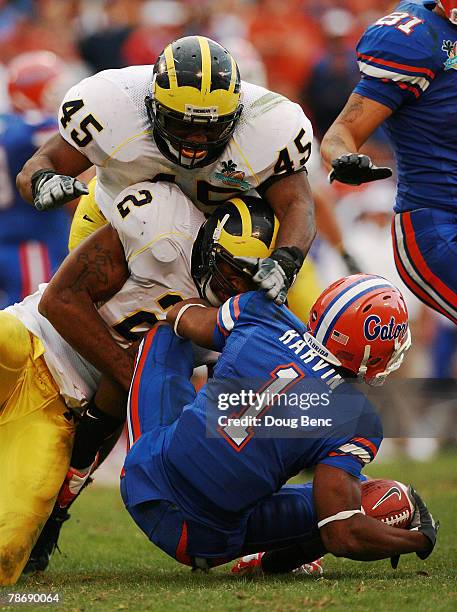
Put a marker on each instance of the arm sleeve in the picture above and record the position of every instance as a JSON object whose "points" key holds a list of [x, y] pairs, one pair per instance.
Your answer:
{"points": [[353, 455], [353, 451], [283, 142], [227, 317], [395, 67], [97, 118]]}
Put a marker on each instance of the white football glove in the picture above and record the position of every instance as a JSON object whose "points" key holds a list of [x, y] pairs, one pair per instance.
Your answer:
{"points": [[268, 275], [51, 190]]}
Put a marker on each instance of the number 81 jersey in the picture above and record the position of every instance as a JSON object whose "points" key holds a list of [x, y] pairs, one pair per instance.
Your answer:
{"points": [[104, 117]]}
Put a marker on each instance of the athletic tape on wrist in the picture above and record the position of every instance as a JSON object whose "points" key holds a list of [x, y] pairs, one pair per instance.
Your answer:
{"points": [[340, 516], [180, 314]]}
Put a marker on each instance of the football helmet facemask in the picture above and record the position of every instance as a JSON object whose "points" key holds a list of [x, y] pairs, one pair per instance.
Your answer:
{"points": [[450, 8], [194, 103], [360, 323], [242, 227]]}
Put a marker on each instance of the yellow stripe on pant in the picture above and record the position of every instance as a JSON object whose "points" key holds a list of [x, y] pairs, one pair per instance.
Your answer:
{"points": [[36, 439], [87, 218]]}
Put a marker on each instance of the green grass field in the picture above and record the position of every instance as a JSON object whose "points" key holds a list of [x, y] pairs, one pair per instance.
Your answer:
{"points": [[107, 564]]}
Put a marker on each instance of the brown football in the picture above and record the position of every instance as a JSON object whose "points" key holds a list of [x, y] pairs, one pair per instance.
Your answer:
{"points": [[387, 501]]}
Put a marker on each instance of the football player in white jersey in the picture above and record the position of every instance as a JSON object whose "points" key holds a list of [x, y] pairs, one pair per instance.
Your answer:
{"points": [[108, 292], [188, 120], [134, 269]]}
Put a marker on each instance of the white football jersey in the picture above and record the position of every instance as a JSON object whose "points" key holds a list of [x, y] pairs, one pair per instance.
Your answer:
{"points": [[157, 225], [104, 117]]}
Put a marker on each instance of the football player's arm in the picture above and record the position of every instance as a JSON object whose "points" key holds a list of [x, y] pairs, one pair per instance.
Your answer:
{"points": [[195, 323], [293, 204], [57, 156], [92, 273], [358, 537], [341, 144], [291, 199]]}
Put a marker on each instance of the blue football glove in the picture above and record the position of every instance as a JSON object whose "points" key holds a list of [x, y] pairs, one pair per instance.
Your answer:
{"points": [[51, 190], [357, 169]]}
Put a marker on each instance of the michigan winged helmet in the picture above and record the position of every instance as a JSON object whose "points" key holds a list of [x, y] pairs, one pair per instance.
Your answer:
{"points": [[195, 100], [242, 227]]}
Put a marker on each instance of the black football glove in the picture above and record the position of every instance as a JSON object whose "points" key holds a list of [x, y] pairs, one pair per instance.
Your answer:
{"points": [[275, 274], [357, 169], [423, 522], [51, 190]]}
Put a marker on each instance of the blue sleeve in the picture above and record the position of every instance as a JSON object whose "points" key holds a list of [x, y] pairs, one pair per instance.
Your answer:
{"points": [[227, 317], [353, 452], [396, 64], [353, 455]]}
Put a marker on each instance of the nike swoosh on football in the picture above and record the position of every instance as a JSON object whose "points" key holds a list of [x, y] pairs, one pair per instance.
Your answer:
{"points": [[88, 219], [387, 494]]}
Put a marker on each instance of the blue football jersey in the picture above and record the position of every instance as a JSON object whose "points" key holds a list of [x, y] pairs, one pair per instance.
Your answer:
{"points": [[222, 456], [408, 62], [20, 136]]}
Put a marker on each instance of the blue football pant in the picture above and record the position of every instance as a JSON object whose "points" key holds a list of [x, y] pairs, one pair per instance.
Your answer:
{"points": [[285, 519]]}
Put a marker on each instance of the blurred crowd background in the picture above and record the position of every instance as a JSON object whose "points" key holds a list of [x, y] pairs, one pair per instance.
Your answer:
{"points": [[304, 49]]}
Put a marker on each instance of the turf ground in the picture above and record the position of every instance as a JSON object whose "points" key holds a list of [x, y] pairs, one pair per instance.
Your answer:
{"points": [[107, 564]]}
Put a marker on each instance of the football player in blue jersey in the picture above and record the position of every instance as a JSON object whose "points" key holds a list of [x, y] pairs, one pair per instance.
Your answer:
{"points": [[31, 246], [408, 64], [205, 474]]}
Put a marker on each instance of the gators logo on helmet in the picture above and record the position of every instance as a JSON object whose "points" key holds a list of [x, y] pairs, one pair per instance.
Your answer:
{"points": [[360, 322], [195, 100], [242, 227]]}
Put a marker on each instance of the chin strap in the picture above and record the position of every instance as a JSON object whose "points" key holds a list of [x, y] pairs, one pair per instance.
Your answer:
{"points": [[363, 364]]}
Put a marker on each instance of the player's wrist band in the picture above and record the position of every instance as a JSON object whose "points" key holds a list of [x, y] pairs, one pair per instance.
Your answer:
{"points": [[340, 516], [180, 314]]}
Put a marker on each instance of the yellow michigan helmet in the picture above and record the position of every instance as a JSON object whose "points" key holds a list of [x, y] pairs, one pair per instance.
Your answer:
{"points": [[242, 227], [194, 102]]}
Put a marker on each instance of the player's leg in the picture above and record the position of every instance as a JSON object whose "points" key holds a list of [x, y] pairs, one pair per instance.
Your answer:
{"points": [[160, 389], [36, 435], [161, 384], [87, 218], [425, 251]]}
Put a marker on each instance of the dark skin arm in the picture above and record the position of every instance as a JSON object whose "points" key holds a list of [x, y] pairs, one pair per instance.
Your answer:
{"points": [[93, 272], [292, 202], [360, 537], [196, 324], [56, 154], [352, 128]]}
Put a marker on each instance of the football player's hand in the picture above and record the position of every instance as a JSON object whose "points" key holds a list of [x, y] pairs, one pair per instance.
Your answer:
{"points": [[357, 169], [51, 190], [275, 274], [423, 522]]}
